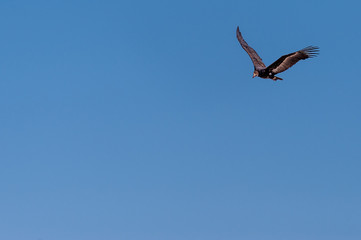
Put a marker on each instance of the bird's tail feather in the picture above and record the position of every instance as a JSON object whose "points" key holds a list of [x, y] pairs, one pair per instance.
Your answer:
{"points": [[276, 78]]}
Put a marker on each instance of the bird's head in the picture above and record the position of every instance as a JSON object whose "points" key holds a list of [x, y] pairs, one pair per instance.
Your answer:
{"points": [[255, 74]]}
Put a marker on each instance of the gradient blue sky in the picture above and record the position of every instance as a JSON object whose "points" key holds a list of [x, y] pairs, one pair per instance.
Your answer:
{"points": [[140, 120]]}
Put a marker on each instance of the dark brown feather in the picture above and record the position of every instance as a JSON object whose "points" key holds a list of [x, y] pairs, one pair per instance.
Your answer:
{"points": [[257, 61], [287, 61]]}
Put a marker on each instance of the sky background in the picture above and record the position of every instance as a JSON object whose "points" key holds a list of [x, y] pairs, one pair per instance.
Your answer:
{"points": [[140, 120]]}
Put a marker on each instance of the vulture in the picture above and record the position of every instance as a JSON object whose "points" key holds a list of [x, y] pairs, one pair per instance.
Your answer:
{"points": [[282, 64]]}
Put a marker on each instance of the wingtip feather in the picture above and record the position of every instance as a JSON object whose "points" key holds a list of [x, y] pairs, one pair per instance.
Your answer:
{"points": [[311, 51], [238, 32]]}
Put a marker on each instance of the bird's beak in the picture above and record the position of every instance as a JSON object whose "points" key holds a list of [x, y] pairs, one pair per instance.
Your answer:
{"points": [[253, 75]]}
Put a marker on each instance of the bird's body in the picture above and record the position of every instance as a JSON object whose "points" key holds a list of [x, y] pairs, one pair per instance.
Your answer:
{"points": [[282, 64], [266, 73]]}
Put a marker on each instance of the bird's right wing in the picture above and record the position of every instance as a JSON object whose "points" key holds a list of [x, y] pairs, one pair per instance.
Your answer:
{"points": [[257, 61], [287, 61]]}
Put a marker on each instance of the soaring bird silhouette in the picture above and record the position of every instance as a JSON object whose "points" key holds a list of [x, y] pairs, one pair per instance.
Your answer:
{"points": [[282, 64]]}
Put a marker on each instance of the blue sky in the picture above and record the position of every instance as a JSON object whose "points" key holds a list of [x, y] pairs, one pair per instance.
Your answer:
{"points": [[141, 120]]}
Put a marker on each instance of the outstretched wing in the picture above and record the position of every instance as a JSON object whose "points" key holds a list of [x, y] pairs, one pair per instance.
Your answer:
{"points": [[257, 61], [287, 61]]}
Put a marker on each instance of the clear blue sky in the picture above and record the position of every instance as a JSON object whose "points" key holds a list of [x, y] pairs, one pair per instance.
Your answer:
{"points": [[140, 120]]}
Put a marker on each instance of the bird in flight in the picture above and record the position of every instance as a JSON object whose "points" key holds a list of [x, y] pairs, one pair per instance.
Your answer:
{"points": [[282, 64]]}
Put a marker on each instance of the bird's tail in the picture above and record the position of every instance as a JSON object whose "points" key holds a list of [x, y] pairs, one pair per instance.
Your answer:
{"points": [[276, 78]]}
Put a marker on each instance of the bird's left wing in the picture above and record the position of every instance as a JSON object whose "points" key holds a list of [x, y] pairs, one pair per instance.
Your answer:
{"points": [[287, 61], [257, 61]]}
